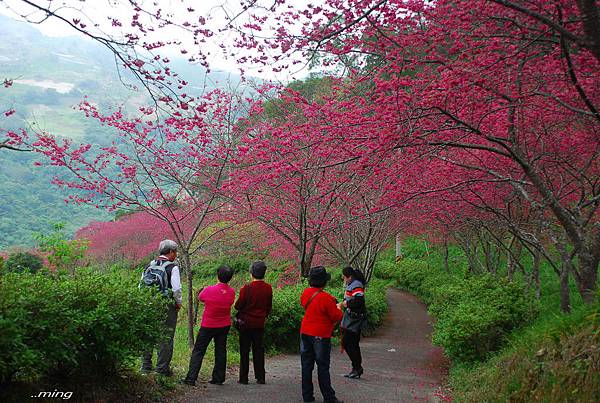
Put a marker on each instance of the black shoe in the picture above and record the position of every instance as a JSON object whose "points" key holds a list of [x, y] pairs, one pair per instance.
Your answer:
{"points": [[243, 382], [312, 399], [260, 381], [336, 400], [212, 381], [355, 374], [186, 382]]}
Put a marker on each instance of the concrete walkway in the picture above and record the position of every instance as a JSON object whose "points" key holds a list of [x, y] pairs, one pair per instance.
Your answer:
{"points": [[400, 365]]}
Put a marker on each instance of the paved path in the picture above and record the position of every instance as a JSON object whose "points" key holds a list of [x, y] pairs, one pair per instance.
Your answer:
{"points": [[400, 365]]}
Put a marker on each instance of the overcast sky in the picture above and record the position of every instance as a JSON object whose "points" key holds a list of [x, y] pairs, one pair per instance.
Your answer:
{"points": [[100, 11]]}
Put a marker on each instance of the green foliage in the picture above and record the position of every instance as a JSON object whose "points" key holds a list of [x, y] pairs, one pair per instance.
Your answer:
{"points": [[385, 269], [415, 248], [473, 315], [555, 360], [89, 323], [20, 262], [550, 356], [63, 254], [376, 301], [208, 268], [26, 210], [282, 330]]}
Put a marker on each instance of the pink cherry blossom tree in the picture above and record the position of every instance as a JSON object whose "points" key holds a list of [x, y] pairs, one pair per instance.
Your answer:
{"points": [[170, 170]]}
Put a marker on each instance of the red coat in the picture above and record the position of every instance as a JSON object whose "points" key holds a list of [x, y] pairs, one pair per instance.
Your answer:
{"points": [[322, 313], [254, 303]]}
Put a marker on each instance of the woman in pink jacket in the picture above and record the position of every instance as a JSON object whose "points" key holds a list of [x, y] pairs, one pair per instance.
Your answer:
{"points": [[216, 320]]}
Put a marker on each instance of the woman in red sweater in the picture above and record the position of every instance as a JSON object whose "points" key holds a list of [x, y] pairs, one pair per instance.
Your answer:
{"points": [[254, 305], [321, 314]]}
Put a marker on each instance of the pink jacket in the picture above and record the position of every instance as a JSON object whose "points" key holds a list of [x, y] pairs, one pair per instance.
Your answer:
{"points": [[217, 300]]}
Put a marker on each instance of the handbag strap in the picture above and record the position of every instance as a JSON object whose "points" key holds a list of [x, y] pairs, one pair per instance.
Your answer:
{"points": [[311, 298]]}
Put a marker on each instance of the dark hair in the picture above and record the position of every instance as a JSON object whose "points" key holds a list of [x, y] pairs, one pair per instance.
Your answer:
{"points": [[354, 273], [224, 274], [258, 269]]}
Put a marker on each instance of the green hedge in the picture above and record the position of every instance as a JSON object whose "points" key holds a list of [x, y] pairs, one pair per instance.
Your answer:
{"points": [[555, 360], [23, 262], [473, 314], [282, 330], [376, 301], [89, 323], [209, 268]]}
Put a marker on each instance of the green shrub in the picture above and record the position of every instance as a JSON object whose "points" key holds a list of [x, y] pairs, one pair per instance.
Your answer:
{"points": [[386, 270], [555, 360], [63, 254], [485, 310], [473, 315], [90, 323], [23, 262], [412, 275], [209, 268], [375, 299], [282, 330]]}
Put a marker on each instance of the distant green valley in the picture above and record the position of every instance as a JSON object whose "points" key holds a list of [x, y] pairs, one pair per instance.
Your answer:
{"points": [[50, 77]]}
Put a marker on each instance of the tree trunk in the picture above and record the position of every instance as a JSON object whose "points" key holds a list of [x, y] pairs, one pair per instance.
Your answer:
{"points": [[591, 24], [304, 266], [190, 297], [446, 265], [470, 249], [488, 253], [513, 258], [565, 303], [588, 279], [368, 263], [535, 273], [398, 248]]}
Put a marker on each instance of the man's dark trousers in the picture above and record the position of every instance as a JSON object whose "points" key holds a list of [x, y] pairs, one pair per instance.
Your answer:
{"points": [[165, 348], [254, 338], [205, 335], [316, 349]]}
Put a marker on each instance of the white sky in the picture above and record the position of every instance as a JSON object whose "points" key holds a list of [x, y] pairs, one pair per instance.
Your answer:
{"points": [[99, 12]]}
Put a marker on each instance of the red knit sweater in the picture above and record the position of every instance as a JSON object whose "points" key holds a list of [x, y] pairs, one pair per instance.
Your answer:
{"points": [[322, 313], [254, 303]]}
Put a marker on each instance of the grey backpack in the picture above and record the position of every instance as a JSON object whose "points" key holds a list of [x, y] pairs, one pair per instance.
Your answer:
{"points": [[157, 274]]}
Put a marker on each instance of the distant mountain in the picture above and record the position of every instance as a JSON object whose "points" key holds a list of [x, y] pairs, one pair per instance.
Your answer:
{"points": [[51, 76]]}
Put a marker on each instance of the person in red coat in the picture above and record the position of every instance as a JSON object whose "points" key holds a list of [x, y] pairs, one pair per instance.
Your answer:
{"points": [[254, 305], [321, 314]]}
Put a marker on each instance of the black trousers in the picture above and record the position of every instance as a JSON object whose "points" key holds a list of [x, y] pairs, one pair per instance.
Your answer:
{"points": [[165, 348], [351, 342], [252, 338], [205, 335]]}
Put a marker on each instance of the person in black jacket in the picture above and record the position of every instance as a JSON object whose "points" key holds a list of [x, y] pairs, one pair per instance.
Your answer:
{"points": [[354, 319]]}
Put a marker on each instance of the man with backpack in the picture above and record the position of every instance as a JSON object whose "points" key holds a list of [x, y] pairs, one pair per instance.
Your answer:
{"points": [[163, 273]]}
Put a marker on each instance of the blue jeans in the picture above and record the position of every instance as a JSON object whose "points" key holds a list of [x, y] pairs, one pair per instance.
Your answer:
{"points": [[316, 349]]}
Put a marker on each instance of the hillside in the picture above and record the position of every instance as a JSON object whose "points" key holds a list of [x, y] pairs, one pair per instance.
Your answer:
{"points": [[51, 76]]}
